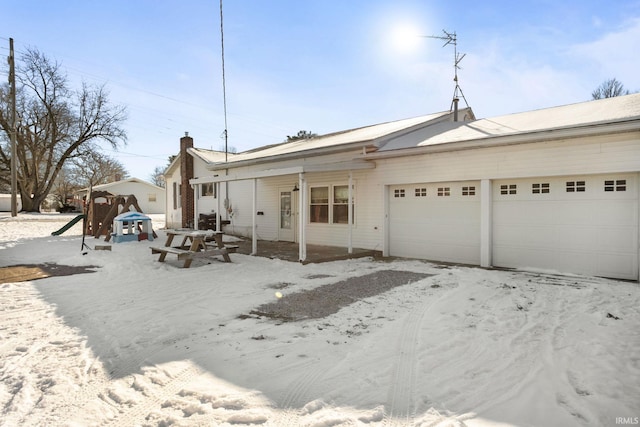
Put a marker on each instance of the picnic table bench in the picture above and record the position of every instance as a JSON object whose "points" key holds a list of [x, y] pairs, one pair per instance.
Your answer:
{"points": [[195, 244]]}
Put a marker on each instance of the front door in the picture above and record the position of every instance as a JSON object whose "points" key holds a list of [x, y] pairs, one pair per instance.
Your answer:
{"points": [[287, 217]]}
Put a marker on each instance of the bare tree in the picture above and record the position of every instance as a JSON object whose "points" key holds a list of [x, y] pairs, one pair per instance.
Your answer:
{"points": [[95, 168], [55, 124], [609, 89], [157, 176]]}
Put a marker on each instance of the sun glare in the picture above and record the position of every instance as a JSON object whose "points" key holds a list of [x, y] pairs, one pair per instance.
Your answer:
{"points": [[405, 37]]}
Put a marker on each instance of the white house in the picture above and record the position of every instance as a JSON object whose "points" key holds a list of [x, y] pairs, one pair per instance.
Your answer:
{"points": [[5, 202], [151, 198], [553, 189]]}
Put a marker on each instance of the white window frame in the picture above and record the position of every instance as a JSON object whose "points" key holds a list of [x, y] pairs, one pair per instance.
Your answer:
{"points": [[331, 203], [201, 193]]}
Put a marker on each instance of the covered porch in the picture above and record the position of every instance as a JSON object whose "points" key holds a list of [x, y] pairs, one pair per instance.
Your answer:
{"points": [[303, 251]]}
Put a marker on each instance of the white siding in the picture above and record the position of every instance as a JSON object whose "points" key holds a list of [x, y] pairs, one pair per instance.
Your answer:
{"points": [[173, 217], [615, 153]]}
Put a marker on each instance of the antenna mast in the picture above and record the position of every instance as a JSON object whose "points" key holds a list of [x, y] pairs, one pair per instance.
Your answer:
{"points": [[224, 89], [451, 38]]}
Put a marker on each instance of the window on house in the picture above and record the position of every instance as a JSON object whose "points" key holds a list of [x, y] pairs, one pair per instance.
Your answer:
{"points": [[421, 192], [319, 202], [576, 186], [152, 197], [207, 189], [444, 191], [179, 195], [341, 205], [540, 188], [617, 185], [468, 191], [509, 189], [398, 192]]}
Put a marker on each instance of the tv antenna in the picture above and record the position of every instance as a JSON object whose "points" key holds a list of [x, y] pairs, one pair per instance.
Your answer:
{"points": [[451, 38]]}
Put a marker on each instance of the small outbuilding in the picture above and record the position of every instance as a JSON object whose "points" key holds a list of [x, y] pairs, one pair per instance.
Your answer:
{"points": [[151, 198]]}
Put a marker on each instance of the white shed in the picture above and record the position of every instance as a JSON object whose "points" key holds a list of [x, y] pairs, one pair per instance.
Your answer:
{"points": [[151, 198]]}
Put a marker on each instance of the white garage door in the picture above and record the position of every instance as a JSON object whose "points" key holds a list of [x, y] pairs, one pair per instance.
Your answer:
{"points": [[435, 221], [581, 224]]}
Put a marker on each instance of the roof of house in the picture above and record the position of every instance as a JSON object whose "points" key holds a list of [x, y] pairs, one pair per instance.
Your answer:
{"points": [[573, 116], [111, 184], [367, 135], [438, 129], [210, 156]]}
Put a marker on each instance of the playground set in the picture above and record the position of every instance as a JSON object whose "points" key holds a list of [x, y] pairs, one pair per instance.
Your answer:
{"points": [[111, 216]]}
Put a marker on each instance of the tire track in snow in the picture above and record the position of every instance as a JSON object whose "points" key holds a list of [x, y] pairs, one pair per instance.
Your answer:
{"points": [[400, 401], [297, 393]]}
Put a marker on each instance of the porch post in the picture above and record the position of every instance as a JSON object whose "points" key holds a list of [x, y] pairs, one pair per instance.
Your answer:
{"points": [[254, 225], [302, 251], [486, 221], [350, 213], [195, 206], [385, 221], [218, 216]]}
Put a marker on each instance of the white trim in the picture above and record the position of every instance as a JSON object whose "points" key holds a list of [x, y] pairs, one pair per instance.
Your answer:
{"points": [[302, 244], [385, 223], [266, 173], [350, 213], [486, 222], [196, 196], [254, 225], [218, 207]]}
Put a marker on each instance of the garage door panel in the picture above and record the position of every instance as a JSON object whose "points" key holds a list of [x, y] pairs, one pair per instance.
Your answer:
{"points": [[622, 212], [515, 236], [524, 212], [616, 265], [439, 228], [580, 237], [592, 232], [621, 239], [522, 257]]}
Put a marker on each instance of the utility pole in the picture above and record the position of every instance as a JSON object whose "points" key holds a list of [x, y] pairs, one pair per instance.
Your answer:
{"points": [[14, 162]]}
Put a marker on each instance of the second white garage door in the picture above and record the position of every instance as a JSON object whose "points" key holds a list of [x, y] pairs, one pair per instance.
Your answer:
{"points": [[581, 224], [435, 221]]}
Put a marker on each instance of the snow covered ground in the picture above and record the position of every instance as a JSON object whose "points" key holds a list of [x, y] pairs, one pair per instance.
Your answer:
{"points": [[140, 342]]}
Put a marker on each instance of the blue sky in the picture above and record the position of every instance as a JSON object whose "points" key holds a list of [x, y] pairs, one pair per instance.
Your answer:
{"points": [[320, 65]]}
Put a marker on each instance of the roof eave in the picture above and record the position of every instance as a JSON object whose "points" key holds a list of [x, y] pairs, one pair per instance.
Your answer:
{"points": [[370, 145], [505, 140], [292, 156]]}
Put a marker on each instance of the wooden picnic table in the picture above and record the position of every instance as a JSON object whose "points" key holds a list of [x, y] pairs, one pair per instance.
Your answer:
{"points": [[195, 243]]}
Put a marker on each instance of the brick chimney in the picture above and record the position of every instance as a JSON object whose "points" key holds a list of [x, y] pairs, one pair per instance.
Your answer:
{"points": [[186, 172]]}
